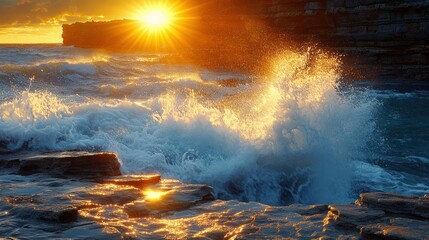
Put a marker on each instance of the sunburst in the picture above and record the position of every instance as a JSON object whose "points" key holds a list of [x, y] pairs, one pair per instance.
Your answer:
{"points": [[164, 25], [156, 19]]}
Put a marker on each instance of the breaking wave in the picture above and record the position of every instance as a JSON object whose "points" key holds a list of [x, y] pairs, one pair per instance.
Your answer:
{"points": [[287, 135]]}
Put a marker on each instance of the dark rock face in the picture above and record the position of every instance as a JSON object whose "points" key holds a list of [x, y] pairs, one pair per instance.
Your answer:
{"points": [[393, 203], [115, 35], [384, 216], [137, 181], [388, 38], [55, 213], [83, 164]]}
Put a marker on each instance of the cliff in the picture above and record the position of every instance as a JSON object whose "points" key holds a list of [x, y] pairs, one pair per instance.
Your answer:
{"points": [[376, 38], [114, 35], [389, 38]]}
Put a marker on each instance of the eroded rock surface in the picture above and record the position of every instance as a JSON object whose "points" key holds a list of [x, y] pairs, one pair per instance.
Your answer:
{"points": [[353, 216], [390, 202], [42, 206], [397, 228]]}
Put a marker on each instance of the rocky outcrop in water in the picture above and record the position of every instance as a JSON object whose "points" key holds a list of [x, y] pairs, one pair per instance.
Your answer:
{"points": [[114, 35], [74, 163], [41, 205]]}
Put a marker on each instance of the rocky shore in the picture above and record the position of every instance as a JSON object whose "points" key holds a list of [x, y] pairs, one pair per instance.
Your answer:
{"points": [[84, 195]]}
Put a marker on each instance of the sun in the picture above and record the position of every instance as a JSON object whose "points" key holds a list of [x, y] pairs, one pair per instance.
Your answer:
{"points": [[156, 19], [163, 25]]}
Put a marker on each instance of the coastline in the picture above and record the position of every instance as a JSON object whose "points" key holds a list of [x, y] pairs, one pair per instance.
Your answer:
{"points": [[62, 194], [228, 119]]}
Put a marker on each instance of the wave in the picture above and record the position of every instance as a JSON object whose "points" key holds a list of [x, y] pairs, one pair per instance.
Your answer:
{"points": [[372, 177], [287, 135]]}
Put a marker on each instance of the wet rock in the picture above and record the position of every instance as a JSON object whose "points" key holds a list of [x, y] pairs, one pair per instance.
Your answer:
{"points": [[90, 231], [397, 228], [21, 199], [395, 203], [176, 196], [108, 194], [61, 215], [192, 193], [349, 215], [48, 212], [138, 210], [74, 163], [308, 209], [57, 207], [170, 196], [41, 206], [138, 181]]}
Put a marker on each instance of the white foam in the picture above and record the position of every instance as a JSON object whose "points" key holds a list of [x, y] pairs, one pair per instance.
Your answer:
{"points": [[289, 136], [375, 178], [82, 69]]}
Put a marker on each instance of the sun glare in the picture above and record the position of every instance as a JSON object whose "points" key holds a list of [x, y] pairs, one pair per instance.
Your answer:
{"points": [[153, 195], [156, 18], [164, 25]]}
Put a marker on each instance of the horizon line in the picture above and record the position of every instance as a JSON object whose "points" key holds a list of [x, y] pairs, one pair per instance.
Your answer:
{"points": [[35, 43]]}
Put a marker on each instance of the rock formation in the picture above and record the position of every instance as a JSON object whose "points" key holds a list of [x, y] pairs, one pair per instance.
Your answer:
{"points": [[42, 204], [376, 38], [74, 163], [387, 38], [114, 35]]}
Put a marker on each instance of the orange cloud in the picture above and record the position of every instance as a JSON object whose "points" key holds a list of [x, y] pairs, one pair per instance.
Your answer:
{"points": [[36, 16], [31, 12], [39, 21]]}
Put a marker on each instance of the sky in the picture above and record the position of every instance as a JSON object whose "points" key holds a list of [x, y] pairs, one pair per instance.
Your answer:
{"points": [[39, 21]]}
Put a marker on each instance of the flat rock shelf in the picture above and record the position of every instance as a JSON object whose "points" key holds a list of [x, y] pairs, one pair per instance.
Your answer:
{"points": [[83, 195]]}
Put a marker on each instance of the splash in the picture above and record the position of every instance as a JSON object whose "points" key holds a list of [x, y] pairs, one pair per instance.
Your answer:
{"points": [[300, 79], [286, 135], [33, 107], [299, 132]]}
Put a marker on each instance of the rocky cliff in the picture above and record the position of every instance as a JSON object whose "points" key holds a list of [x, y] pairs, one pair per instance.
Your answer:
{"points": [[390, 38], [376, 38], [114, 35]]}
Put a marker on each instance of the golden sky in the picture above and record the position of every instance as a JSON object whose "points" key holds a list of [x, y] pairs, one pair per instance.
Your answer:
{"points": [[39, 21]]}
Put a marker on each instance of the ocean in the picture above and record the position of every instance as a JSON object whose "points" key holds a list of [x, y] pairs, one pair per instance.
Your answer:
{"points": [[295, 133]]}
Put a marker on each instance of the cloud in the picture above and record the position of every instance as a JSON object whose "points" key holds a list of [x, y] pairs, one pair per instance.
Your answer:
{"points": [[30, 21], [53, 12]]}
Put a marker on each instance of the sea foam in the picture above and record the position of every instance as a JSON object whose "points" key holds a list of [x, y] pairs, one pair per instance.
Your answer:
{"points": [[282, 136]]}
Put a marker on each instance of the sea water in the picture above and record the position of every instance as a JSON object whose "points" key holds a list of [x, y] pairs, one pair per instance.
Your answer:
{"points": [[295, 133]]}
